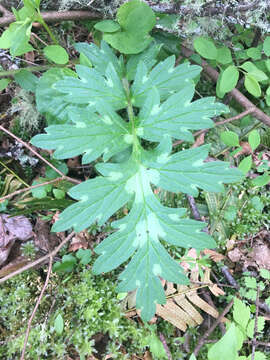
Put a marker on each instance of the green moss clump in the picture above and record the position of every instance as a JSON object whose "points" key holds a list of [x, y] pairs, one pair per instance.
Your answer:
{"points": [[88, 305]]}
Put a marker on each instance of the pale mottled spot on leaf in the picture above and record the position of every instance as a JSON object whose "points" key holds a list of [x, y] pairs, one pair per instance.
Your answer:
{"points": [[157, 270], [171, 70], [80, 124], [114, 176], [145, 78], [110, 83], [155, 110], [128, 138], [88, 151], [140, 131], [84, 198], [138, 283], [197, 163], [106, 119], [163, 158], [174, 217]]}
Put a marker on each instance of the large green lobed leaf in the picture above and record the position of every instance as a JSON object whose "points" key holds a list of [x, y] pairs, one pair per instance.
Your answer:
{"points": [[159, 107]]}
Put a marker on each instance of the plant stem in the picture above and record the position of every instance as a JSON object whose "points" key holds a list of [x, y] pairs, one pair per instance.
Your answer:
{"points": [[131, 117], [46, 27]]}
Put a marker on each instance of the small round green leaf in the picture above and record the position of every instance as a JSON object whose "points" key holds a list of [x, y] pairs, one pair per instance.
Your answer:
{"points": [[135, 16], [224, 56], [252, 85], [206, 48], [254, 139], [4, 83], [56, 54], [109, 26], [245, 164], [229, 79], [254, 53], [59, 324], [266, 46], [229, 138]]}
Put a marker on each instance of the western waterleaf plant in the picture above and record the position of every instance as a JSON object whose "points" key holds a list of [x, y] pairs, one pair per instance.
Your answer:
{"points": [[89, 104]]}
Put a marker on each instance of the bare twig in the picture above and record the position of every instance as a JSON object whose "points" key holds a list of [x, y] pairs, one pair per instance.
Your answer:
{"points": [[193, 207], [229, 277], [40, 260], [165, 345], [57, 16], [75, 181], [36, 307], [236, 94], [225, 121], [4, 11], [254, 344], [201, 341]]}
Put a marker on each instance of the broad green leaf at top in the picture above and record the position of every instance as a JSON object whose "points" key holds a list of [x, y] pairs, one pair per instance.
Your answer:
{"points": [[135, 19]]}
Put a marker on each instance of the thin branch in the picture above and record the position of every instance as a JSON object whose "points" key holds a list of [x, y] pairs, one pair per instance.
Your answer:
{"points": [[254, 344], [193, 207], [38, 261], [36, 307], [201, 341], [165, 345], [30, 188], [236, 94], [229, 277], [225, 121], [57, 16], [4, 11], [75, 181]]}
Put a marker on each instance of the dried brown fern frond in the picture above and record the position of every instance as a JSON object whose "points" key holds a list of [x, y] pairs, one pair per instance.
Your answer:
{"points": [[183, 302]]}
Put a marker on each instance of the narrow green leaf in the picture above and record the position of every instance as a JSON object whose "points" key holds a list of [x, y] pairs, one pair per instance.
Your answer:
{"points": [[4, 83], [59, 324], [56, 54], [252, 85], [245, 164], [228, 342], [266, 46], [229, 79], [229, 138], [254, 139], [206, 48], [261, 180], [241, 313]]}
